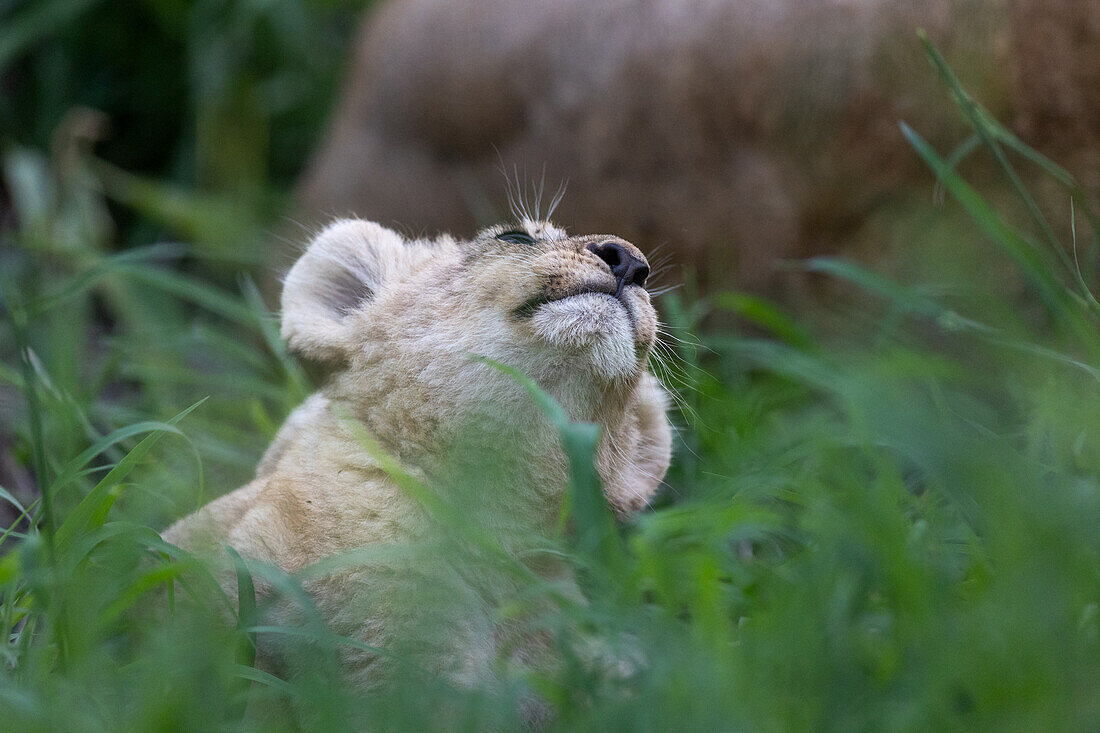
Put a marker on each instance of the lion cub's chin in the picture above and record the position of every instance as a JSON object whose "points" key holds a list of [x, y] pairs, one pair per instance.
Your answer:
{"points": [[595, 326]]}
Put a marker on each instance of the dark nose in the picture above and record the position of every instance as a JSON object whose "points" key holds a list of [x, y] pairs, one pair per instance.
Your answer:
{"points": [[626, 268]]}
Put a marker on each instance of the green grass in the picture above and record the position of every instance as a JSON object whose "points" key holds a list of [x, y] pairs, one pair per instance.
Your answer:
{"points": [[883, 517]]}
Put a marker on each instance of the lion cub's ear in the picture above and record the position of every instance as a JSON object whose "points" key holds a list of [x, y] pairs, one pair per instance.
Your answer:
{"points": [[341, 270]]}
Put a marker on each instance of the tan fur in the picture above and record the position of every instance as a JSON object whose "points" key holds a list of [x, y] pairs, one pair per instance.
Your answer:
{"points": [[739, 131], [397, 322]]}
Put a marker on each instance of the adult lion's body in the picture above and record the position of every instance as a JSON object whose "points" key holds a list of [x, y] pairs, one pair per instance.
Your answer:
{"points": [[740, 132]]}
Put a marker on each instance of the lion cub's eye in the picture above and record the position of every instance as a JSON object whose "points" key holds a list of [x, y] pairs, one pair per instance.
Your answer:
{"points": [[517, 237]]}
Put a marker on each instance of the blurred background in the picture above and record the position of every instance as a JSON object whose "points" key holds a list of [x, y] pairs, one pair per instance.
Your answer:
{"points": [[164, 137], [883, 343]]}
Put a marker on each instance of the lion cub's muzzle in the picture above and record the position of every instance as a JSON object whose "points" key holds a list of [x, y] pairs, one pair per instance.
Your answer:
{"points": [[625, 266]]}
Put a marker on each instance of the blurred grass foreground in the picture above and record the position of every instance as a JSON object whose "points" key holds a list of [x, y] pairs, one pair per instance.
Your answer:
{"points": [[881, 516]]}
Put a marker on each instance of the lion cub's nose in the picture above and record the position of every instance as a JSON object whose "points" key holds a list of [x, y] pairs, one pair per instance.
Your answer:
{"points": [[626, 268]]}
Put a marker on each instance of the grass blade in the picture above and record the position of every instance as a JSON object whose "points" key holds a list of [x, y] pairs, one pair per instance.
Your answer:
{"points": [[90, 508], [595, 526], [1024, 252], [991, 134], [73, 469]]}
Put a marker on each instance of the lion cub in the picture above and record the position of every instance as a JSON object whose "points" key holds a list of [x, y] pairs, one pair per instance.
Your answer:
{"points": [[396, 322]]}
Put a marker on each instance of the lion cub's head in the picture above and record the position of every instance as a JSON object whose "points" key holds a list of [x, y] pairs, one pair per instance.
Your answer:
{"points": [[398, 321]]}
